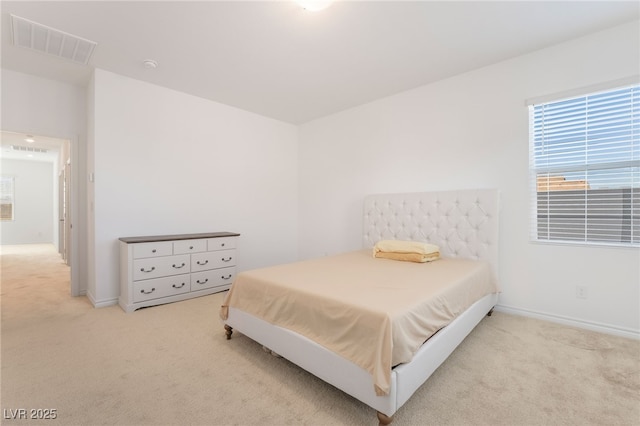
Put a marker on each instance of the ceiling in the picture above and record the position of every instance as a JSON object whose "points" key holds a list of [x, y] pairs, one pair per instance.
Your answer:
{"points": [[16, 146], [275, 59]]}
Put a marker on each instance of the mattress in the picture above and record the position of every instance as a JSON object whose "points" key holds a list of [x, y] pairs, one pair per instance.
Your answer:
{"points": [[374, 312]]}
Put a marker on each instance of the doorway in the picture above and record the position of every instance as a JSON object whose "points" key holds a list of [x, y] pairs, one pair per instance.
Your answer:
{"points": [[40, 168]]}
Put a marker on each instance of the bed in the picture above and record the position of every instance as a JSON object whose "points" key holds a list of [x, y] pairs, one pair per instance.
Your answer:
{"points": [[351, 321]]}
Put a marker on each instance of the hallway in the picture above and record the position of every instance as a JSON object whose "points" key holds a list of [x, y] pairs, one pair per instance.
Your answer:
{"points": [[33, 277]]}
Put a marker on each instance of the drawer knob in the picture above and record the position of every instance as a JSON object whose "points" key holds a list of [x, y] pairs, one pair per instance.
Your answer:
{"points": [[153, 268], [148, 292], [202, 282], [178, 266], [190, 247], [153, 251], [226, 278], [222, 245], [176, 286], [227, 260], [202, 263]]}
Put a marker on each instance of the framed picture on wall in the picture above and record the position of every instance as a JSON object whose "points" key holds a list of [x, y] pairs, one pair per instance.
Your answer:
{"points": [[7, 197]]}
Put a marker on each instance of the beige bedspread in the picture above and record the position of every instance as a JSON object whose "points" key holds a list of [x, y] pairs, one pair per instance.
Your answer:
{"points": [[374, 312]]}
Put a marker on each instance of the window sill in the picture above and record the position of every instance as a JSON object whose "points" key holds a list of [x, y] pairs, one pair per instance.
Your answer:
{"points": [[584, 244]]}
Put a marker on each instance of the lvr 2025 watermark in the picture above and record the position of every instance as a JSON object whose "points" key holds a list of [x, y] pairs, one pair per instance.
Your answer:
{"points": [[29, 413]]}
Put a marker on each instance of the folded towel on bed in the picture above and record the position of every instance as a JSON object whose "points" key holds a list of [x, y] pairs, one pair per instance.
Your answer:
{"points": [[408, 257], [399, 246], [409, 251]]}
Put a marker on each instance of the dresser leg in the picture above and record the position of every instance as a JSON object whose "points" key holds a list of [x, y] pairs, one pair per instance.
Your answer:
{"points": [[384, 419], [228, 331]]}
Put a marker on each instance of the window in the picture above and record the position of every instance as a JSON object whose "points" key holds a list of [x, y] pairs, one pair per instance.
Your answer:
{"points": [[6, 198], [585, 168]]}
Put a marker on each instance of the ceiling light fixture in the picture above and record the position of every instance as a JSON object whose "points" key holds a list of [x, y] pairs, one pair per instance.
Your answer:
{"points": [[29, 139], [314, 5], [150, 64]]}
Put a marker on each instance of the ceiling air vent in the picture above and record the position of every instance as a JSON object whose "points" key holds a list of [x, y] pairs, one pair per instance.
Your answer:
{"points": [[28, 149], [31, 35]]}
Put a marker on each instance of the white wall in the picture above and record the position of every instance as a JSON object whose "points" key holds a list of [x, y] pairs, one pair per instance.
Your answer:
{"points": [[50, 108], [471, 131], [34, 207], [183, 164], [170, 163]]}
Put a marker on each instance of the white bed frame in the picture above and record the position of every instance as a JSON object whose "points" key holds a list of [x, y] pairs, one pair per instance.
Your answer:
{"points": [[463, 224]]}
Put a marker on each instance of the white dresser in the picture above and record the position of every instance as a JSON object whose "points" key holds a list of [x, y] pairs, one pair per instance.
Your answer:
{"points": [[168, 268]]}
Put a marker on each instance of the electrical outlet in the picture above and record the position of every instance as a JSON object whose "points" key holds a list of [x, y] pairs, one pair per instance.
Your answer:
{"points": [[581, 292]]}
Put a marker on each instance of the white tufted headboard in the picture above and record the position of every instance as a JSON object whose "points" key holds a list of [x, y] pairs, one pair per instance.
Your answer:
{"points": [[462, 223]]}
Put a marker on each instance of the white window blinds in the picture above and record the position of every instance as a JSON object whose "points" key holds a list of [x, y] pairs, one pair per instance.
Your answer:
{"points": [[585, 168]]}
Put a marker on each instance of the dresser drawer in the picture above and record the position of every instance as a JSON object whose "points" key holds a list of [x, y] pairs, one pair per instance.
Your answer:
{"points": [[144, 269], [189, 246], [212, 260], [213, 278], [222, 243], [162, 248], [161, 287], [203, 261], [223, 258]]}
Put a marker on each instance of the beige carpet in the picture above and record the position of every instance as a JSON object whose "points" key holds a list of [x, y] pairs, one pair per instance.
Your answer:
{"points": [[171, 365]]}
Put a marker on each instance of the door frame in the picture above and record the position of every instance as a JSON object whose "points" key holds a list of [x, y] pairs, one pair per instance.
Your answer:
{"points": [[62, 247], [73, 218]]}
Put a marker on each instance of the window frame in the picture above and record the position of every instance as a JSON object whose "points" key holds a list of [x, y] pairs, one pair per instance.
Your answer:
{"points": [[590, 238], [8, 192]]}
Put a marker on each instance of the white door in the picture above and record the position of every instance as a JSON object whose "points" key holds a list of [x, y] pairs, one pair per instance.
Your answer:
{"points": [[67, 206], [61, 216]]}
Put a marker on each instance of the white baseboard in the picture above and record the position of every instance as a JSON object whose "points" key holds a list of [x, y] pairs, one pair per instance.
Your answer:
{"points": [[573, 322], [105, 303], [101, 303], [91, 298]]}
